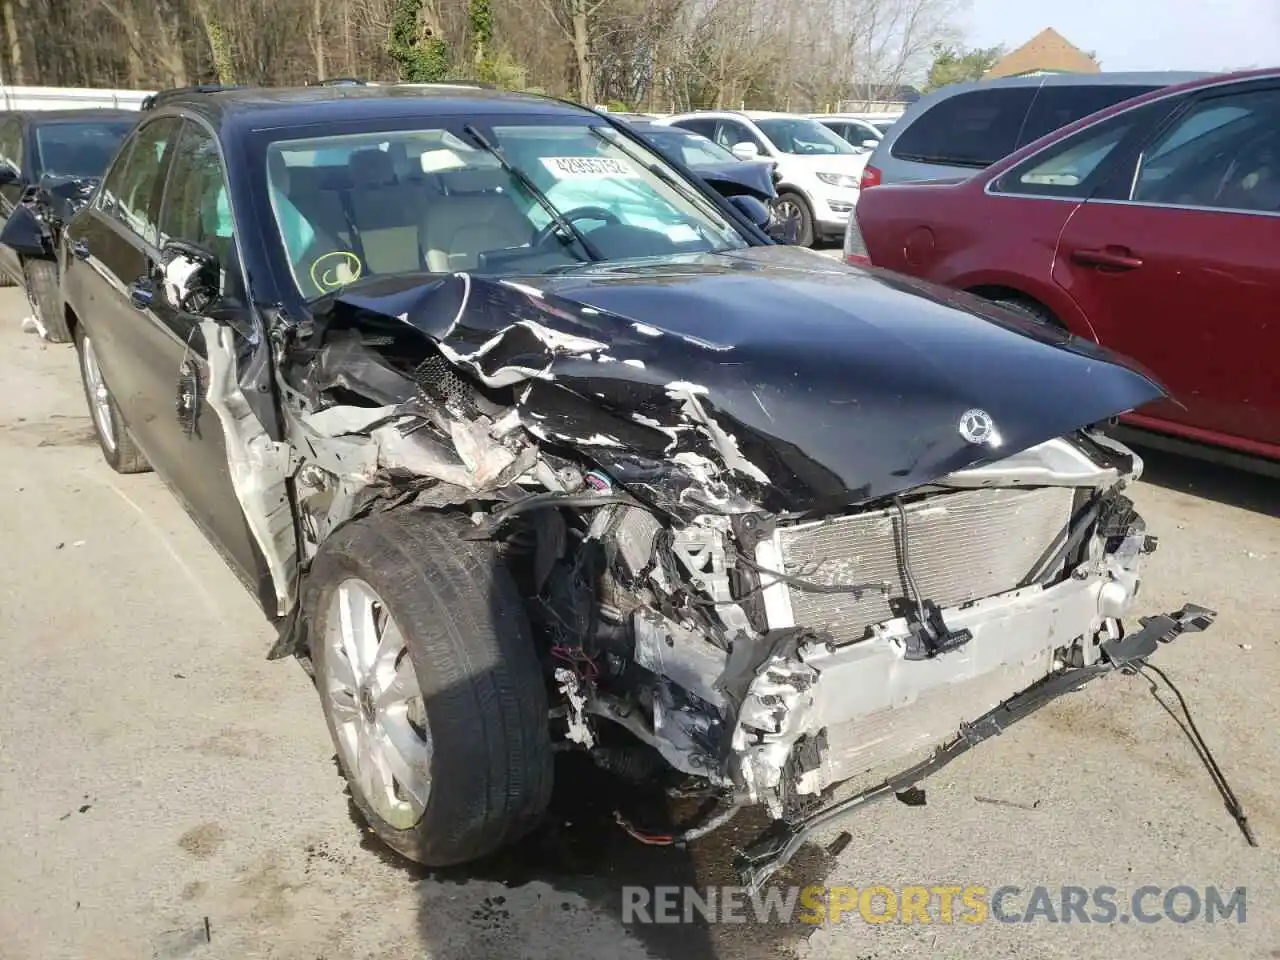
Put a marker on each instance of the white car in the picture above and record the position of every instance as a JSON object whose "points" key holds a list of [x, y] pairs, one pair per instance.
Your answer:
{"points": [[820, 171], [856, 129]]}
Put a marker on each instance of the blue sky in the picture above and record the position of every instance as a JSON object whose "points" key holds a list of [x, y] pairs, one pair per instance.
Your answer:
{"points": [[1141, 34]]}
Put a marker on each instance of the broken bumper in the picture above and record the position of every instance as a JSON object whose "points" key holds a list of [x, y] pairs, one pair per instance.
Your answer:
{"points": [[778, 845]]}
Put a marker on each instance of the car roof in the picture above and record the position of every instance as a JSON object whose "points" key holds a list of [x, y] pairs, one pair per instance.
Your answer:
{"points": [[256, 108], [1117, 78]]}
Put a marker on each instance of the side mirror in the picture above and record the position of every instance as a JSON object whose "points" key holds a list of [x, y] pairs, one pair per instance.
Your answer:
{"points": [[870, 144], [190, 277], [753, 209], [746, 150], [8, 175]]}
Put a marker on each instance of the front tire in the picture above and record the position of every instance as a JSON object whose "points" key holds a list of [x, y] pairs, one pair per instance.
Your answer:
{"points": [[790, 207], [118, 448], [430, 686], [45, 297]]}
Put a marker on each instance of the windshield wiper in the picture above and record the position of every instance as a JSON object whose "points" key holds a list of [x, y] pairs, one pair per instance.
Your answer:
{"points": [[567, 230]]}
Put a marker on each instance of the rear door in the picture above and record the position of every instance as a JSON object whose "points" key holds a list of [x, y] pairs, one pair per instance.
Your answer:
{"points": [[1009, 237], [118, 242], [1179, 268]]}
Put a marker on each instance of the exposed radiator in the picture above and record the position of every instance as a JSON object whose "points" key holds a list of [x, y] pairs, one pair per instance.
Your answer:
{"points": [[963, 546]]}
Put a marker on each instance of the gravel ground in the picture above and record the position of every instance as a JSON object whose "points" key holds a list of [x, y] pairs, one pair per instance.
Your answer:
{"points": [[166, 792]]}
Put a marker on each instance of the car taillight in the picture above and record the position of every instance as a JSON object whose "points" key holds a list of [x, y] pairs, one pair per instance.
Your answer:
{"points": [[870, 177], [855, 247]]}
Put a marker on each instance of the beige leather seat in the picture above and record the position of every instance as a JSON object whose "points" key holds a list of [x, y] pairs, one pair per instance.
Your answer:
{"points": [[387, 214], [472, 218]]}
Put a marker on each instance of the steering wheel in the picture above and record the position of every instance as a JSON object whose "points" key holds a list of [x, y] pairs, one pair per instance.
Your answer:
{"points": [[579, 213]]}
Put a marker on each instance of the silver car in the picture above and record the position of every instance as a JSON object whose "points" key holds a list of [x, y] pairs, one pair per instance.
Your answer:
{"points": [[964, 127]]}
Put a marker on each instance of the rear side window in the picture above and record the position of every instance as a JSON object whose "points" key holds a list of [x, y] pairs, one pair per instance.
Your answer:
{"points": [[1055, 107], [1075, 166], [968, 130]]}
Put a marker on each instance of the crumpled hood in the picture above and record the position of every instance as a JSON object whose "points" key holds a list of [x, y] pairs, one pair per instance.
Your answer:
{"points": [[734, 177], [769, 374]]}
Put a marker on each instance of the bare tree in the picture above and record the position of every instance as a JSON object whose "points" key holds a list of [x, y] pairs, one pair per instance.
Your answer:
{"points": [[654, 54]]}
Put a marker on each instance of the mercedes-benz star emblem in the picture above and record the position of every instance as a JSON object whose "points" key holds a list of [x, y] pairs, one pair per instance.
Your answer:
{"points": [[977, 427]]}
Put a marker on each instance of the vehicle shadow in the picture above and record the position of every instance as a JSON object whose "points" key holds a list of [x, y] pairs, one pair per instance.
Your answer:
{"points": [[1223, 483], [579, 850]]}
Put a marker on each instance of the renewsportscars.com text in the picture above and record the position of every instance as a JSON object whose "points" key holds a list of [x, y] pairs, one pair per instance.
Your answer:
{"points": [[935, 903]]}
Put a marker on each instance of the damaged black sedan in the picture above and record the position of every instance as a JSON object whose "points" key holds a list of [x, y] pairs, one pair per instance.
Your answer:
{"points": [[527, 441], [50, 162]]}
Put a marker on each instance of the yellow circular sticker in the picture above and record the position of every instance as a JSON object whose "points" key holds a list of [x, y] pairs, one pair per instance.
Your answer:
{"points": [[336, 269]]}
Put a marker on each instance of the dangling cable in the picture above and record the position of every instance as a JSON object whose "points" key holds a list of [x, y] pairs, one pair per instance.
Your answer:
{"points": [[1192, 732]]}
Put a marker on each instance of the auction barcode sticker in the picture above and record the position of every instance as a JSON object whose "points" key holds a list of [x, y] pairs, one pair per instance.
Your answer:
{"points": [[564, 168]]}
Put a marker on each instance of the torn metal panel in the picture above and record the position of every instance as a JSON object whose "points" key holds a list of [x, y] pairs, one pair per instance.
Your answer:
{"points": [[259, 466]]}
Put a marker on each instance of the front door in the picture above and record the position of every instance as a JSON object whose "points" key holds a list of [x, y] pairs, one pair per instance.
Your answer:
{"points": [[1182, 274], [186, 439]]}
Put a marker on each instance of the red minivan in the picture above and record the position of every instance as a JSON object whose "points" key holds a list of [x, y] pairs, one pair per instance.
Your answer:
{"points": [[1151, 227]]}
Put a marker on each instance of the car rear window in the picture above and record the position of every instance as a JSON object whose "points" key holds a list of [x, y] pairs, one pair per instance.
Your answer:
{"points": [[1056, 107], [976, 129], [968, 130]]}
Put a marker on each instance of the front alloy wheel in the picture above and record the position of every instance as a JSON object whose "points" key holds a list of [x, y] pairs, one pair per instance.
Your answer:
{"points": [[372, 695]]}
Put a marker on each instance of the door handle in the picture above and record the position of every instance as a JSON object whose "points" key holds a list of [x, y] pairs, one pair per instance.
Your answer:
{"points": [[1108, 258], [80, 249], [141, 293]]}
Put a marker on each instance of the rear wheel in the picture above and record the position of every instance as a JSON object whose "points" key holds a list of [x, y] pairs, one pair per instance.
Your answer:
{"points": [[430, 685], [46, 299], [118, 448], [1030, 309], [794, 215]]}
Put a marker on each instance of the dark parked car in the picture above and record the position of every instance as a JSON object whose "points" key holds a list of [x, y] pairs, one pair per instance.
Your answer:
{"points": [[725, 173], [50, 161], [1151, 228], [964, 127], [621, 477]]}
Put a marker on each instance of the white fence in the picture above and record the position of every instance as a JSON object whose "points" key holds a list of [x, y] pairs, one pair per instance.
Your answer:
{"points": [[68, 98]]}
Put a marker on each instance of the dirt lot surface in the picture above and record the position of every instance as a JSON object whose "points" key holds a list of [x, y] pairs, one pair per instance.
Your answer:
{"points": [[166, 792]]}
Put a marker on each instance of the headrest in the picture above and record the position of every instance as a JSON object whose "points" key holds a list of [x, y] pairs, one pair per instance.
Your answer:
{"points": [[474, 180], [371, 168]]}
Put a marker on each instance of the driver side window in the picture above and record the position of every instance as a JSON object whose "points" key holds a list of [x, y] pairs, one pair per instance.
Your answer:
{"points": [[195, 201], [134, 197], [732, 132]]}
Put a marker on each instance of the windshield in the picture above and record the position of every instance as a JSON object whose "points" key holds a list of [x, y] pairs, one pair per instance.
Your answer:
{"points": [[693, 149], [438, 200], [80, 148], [803, 136]]}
